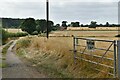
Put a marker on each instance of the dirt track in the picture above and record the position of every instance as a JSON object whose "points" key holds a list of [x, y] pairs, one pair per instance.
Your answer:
{"points": [[18, 69]]}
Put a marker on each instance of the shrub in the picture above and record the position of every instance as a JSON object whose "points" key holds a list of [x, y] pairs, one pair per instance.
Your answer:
{"points": [[35, 33], [23, 43], [4, 35], [17, 34]]}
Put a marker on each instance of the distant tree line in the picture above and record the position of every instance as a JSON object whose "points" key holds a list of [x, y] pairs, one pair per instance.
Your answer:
{"points": [[39, 25], [11, 23], [29, 25], [93, 24]]}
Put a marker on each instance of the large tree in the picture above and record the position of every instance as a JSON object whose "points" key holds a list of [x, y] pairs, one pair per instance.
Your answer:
{"points": [[42, 25], [93, 24], [107, 24], [64, 24], [29, 25], [75, 24]]}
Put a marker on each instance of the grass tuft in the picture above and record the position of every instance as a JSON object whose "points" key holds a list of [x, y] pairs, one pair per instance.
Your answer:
{"points": [[3, 65], [4, 50]]}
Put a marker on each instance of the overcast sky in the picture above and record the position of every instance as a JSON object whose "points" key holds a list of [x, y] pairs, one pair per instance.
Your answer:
{"points": [[83, 11]]}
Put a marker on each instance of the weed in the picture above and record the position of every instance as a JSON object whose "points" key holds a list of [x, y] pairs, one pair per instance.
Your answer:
{"points": [[4, 50], [3, 65]]}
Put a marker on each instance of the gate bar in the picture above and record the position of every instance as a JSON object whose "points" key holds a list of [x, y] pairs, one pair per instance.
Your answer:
{"points": [[97, 56], [115, 68], [104, 65], [118, 57], [96, 39], [97, 48]]}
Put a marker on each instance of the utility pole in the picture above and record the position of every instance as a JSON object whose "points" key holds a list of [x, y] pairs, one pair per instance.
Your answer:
{"points": [[47, 14]]}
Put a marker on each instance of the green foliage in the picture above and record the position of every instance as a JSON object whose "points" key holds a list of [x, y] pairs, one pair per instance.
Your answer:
{"points": [[19, 34], [107, 24], [11, 23], [3, 65], [4, 35], [23, 43], [93, 24], [50, 26], [41, 25], [35, 33], [75, 24], [64, 24], [4, 50], [56, 27], [29, 25], [21, 52]]}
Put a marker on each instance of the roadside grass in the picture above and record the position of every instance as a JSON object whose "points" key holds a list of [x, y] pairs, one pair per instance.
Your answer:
{"points": [[53, 57], [4, 50], [21, 52], [3, 58], [3, 65]]}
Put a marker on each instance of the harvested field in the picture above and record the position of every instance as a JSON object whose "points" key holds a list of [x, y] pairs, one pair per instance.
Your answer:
{"points": [[85, 33], [14, 30], [97, 28]]}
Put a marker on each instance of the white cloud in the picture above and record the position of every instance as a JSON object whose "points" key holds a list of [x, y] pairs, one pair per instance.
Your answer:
{"points": [[71, 10]]}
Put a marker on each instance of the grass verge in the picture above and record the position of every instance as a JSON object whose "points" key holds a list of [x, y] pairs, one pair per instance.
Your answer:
{"points": [[53, 58], [4, 50], [3, 65]]}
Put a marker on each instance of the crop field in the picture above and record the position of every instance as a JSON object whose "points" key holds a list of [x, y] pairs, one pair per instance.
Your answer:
{"points": [[97, 28], [43, 53], [85, 33], [13, 30]]}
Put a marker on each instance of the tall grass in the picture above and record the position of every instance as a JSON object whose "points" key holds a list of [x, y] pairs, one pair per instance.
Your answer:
{"points": [[53, 57], [4, 50]]}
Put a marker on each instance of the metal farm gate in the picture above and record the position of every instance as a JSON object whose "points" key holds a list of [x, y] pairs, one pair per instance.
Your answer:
{"points": [[100, 53]]}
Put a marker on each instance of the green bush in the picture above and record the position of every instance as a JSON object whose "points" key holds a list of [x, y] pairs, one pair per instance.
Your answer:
{"points": [[24, 43], [4, 35], [35, 33], [4, 50], [17, 34]]}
